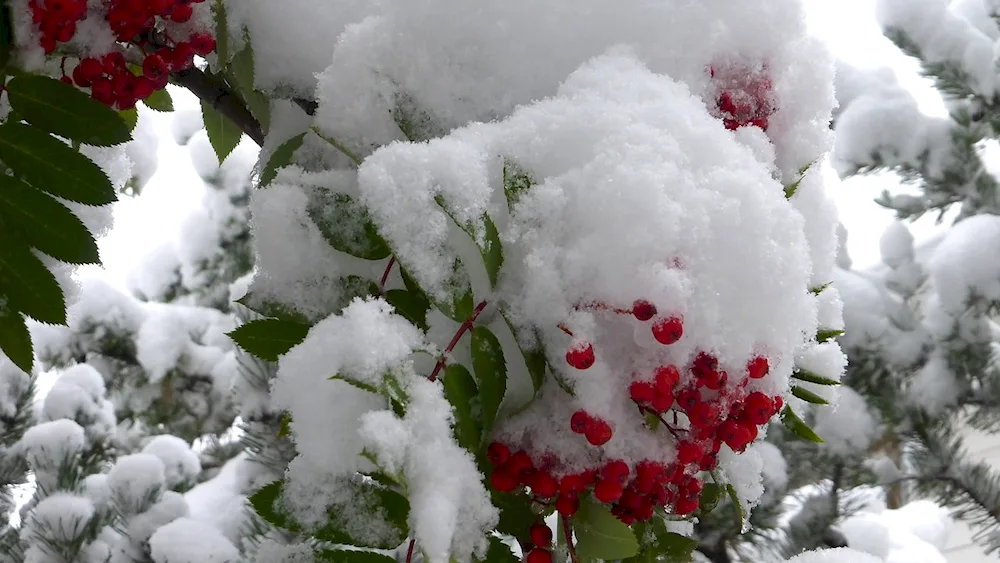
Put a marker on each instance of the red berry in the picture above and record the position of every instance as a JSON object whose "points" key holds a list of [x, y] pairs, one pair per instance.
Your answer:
{"points": [[67, 80], [599, 432], [538, 555], [519, 464], [544, 485], [778, 404], [668, 331], [688, 452], [666, 377], [688, 399], [183, 57], [154, 67], [757, 367], [541, 535], [758, 408], [703, 415], [144, 88], [91, 68], [503, 481], [48, 45], [662, 401], [643, 310], [202, 43], [685, 506], [580, 355], [103, 90], [181, 13], [607, 490], [497, 453], [571, 485], [641, 392], [725, 103], [616, 470], [567, 505], [580, 421]]}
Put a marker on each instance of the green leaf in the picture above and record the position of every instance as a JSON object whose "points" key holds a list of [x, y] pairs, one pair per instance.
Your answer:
{"points": [[820, 289], [28, 285], [130, 117], [6, 38], [160, 100], [491, 373], [223, 134], [60, 108], [515, 182], [286, 425], [808, 396], [673, 547], [796, 426], [794, 187], [461, 303], [416, 123], [270, 308], [240, 73], [50, 165], [346, 225], [516, 515], [263, 502], [15, 340], [45, 223], [358, 384], [808, 376], [534, 358], [600, 535], [269, 338], [460, 390], [411, 305], [221, 33], [711, 494], [493, 251], [828, 334], [740, 512], [352, 556], [499, 552], [281, 157]]}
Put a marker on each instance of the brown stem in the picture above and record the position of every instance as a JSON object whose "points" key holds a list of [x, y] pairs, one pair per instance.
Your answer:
{"points": [[409, 551], [598, 306], [385, 275], [466, 325], [216, 93], [568, 534]]}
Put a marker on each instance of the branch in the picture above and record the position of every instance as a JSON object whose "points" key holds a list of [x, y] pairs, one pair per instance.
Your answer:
{"points": [[216, 93]]}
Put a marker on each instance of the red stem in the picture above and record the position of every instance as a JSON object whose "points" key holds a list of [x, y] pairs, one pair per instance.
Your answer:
{"points": [[566, 329], [466, 325], [409, 551], [385, 274], [568, 534], [598, 306]]}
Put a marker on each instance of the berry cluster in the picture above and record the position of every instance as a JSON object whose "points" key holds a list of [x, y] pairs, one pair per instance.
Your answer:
{"points": [[541, 542], [744, 97], [666, 330], [706, 413], [109, 78]]}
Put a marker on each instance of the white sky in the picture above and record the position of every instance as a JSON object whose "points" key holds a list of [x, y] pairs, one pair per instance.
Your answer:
{"points": [[848, 26]]}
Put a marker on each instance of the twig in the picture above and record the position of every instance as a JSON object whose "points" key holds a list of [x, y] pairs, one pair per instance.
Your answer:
{"points": [[216, 93], [466, 325], [568, 534], [385, 275], [409, 551]]}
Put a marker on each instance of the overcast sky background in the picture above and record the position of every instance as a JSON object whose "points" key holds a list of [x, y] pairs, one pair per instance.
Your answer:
{"points": [[848, 27]]}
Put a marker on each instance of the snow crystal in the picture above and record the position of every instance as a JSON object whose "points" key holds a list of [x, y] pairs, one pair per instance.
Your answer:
{"points": [[186, 540], [450, 509], [180, 463], [964, 265], [134, 480], [838, 555], [849, 426]]}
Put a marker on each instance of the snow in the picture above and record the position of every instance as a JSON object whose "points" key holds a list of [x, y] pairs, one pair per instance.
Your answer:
{"points": [[59, 517], [79, 394], [896, 245], [181, 465], [50, 446], [450, 510], [186, 540], [838, 555], [913, 533], [134, 480], [847, 428], [220, 502], [965, 264]]}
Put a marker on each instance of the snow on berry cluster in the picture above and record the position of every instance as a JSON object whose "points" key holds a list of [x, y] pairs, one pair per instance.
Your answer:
{"points": [[165, 34]]}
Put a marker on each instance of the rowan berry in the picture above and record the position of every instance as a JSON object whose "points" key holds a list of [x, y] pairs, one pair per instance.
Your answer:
{"points": [[643, 310], [668, 331], [580, 355]]}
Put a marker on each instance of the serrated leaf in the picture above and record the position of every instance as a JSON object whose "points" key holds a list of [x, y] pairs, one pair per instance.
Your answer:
{"points": [[515, 182], [268, 339], [159, 100], [221, 33], [410, 305], [240, 73], [461, 303], [794, 187], [46, 224], [281, 157], [50, 165], [516, 515], [358, 384], [711, 494], [28, 285], [810, 377], [223, 134], [808, 396], [673, 547], [491, 373], [460, 390], [416, 124], [828, 334], [741, 514], [796, 426], [600, 535], [499, 552], [534, 359], [346, 226], [270, 308], [285, 429], [130, 117], [60, 108], [492, 251], [352, 556], [263, 502], [15, 340]]}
